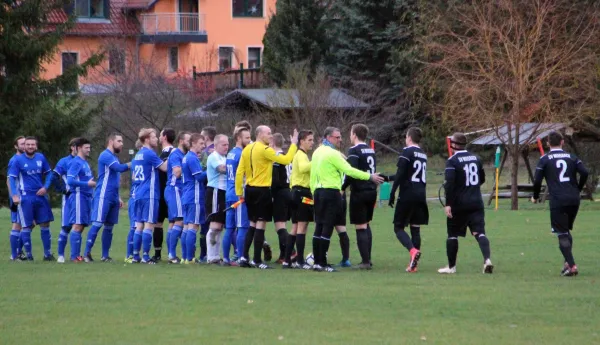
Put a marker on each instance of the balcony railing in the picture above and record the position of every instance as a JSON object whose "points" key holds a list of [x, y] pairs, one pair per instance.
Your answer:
{"points": [[173, 24]]}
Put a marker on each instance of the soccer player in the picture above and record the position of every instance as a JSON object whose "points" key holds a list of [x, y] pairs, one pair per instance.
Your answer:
{"points": [[173, 194], [256, 165], [27, 172], [235, 218], [131, 212], [167, 138], [282, 196], [81, 183], [147, 194], [61, 169], [106, 202], [16, 245], [193, 198], [327, 169], [464, 176], [216, 171], [302, 211], [209, 134], [560, 170], [411, 209]]}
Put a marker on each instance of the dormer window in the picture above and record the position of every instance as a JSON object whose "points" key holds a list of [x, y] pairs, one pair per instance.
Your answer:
{"points": [[96, 9]]}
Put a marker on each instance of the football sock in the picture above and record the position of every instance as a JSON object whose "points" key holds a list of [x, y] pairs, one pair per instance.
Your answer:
{"points": [[46, 240], [130, 241], [259, 237], [63, 239], [484, 245], [190, 246], [283, 235], [300, 244], [362, 241], [316, 242], [324, 248], [345, 245], [234, 241], [75, 239], [240, 239], [169, 236], [14, 243], [26, 239], [248, 242], [403, 237], [19, 244], [565, 247], [91, 238], [137, 244], [184, 252], [227, 242], [203, 231], [146, 243], [370, 235], [452, 250], [289, 247], [217, 247], [107, 236], [415, 235], [157, 238], [175, 234], [571, 239]]}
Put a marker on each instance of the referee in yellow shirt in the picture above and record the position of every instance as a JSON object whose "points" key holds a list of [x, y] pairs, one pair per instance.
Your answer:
{"points": [[302, 208], [256, 165]]}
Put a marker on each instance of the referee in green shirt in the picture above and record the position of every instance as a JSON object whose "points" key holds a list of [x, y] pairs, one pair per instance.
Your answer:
{"points": [[326, 177]]}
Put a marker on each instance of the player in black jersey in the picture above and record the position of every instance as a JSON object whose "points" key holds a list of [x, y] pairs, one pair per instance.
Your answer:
{"points": [[282, 196], [167, 138], [411, 209], [464, 176], [363, 193], [560, 169]]}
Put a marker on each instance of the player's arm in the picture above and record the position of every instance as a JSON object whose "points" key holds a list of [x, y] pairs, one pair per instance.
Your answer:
{"points": [[239, 176], [13, 172], [352, 159], [48, 175], [72, 174], [197, 172], [59, 184], [158, 163], [303, 164], [176, 163], [481, 173], [449, 176], [286, 159], [342, 165], [399, 177], [538, 178], [583, 174], [118, 167]]}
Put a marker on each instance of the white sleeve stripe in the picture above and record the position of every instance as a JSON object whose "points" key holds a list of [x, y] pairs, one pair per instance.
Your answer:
{"points": [[405, 158], [15, 176], [352, 156], [539, 169], [114, 162], [196, 173], [161, 163], [450, 169]]}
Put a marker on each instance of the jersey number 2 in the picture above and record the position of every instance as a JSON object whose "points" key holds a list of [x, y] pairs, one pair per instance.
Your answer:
{"points": [[420, 168], [562, 165]]}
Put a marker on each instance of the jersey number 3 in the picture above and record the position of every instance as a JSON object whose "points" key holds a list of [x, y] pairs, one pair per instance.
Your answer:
{"points": [[420, 168]]}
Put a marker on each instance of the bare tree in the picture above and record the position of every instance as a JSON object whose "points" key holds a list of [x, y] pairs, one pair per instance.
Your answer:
{"points": [[508, 62]]}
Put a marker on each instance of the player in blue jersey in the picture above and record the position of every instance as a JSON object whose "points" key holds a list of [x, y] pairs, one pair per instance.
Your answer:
{"points": [[193, 178], [61, 169], [216, 172], [145, 166], [16, 245], [28, 189], [235, 218], [106, 202], [173, 193], [81, 183], [131, 213]]}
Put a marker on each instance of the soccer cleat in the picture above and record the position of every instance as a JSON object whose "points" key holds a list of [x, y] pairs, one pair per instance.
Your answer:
{"points": [[571, 271], [128, 260], [268, 251], [306, 266], [156, 258], [344, 263], [286, 265], [78, 259], [22, 256], [106, 259], [29, 258], [415, 255], [175, 260], [50, 258], [280, 261], [61, 259], [88, 258], [565, 268], [364, 266], [447, 270], [243, 262], [488, 267], [329, 269], [317, 268], [263, 266], [225, 263], [136, 261], [149, 262], [214, 262]]}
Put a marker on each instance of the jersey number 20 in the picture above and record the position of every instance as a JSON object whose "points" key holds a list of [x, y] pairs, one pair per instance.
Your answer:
{"points": [[420, 168]]}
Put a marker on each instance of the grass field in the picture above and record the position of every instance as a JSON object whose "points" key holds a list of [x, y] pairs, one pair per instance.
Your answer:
{"points": [[524, 302]]}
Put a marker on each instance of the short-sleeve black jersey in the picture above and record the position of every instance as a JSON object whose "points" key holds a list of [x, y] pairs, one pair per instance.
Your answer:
{"points": [[560, 169], [464, 176], [162, 176], [281, 176], [361, 157], [411, 176]]}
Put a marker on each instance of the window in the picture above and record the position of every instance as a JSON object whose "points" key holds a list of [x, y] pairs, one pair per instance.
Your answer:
{"points": [[91, 8], [173, 59], [253, 57], [225, 58], [116, 61], [69, 60], [247, 8]]}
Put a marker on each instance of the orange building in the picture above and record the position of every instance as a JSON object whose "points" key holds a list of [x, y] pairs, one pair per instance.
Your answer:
{"points": [[168, 37]]}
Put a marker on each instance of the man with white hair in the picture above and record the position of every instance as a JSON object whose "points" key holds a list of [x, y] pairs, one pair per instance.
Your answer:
{"points": [[216, 170]]}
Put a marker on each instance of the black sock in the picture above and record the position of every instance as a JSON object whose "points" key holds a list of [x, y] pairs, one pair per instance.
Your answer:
{"points": [[289, 247], [571, 239], [415, 236], [484, 245], [248, 242], [300, 243], [452, 251], [362, 241], [565, 248], [345, 245], [403, 237], [316, 242], [259, 237], [370, 235], [157, 238], [324, 247], [283, 235]]}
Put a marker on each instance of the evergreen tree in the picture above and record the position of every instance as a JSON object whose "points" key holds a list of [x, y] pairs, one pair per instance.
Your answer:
{"points": [[296, 32]]}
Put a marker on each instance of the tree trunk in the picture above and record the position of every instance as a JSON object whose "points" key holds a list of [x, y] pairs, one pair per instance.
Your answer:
{"points": [[514, 177]]}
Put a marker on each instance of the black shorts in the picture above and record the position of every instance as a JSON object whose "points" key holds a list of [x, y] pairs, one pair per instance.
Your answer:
{"points": [[302, 211], [330, 207], [457, 225], [163, 211], [362, 205], [407, 213], [282, 199], [214, 201], [259, 203], [562, 218]]}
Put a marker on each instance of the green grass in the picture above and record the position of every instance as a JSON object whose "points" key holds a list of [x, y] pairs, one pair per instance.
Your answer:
{"points": [[523, 302]]}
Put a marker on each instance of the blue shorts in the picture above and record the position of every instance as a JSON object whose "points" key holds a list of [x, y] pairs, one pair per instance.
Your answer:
{"points": [[105, 211], [146, 211], [80, 209], [34, 208], [65, 212], [174, 206], [131, 212], [194, 214], [236, 218], [14, 217]]}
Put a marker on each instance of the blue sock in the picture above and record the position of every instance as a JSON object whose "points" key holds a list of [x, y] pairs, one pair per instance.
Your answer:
{"points": [[137, 244], [14, 243], [107, 236], [226, 243], [19, 245], [169, 234], [75, 239], [184, 244], [91, 238], [234, 241], [26, 238], [130, 242], [175, 233], [191, 245], [147, 243], [46, 241], [62, 241], [240, 239]]}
